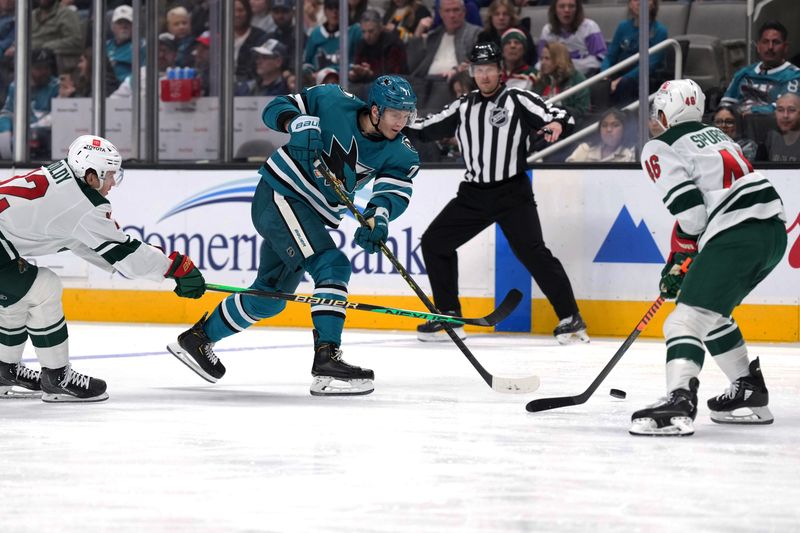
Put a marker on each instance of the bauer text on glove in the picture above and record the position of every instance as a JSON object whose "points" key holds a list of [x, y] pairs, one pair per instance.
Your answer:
{"points": [[305, 142], [189, 281]]}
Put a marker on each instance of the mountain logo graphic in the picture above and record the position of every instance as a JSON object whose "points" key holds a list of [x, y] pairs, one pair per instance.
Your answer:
{"points": [[628, 243]]}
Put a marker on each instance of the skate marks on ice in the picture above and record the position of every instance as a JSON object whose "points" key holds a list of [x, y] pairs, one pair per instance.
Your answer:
{"points": [[432, 449]]}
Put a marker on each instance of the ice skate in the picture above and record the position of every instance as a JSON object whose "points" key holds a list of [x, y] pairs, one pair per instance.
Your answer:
{"points": [[65, 385], [432, 331], [672, 416], [19, 381], [571, 330], [744, 402], [334, 377], [196, 351]]}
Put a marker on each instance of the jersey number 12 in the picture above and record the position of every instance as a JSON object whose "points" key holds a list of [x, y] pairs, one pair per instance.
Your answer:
{"points": [[39, 182]]}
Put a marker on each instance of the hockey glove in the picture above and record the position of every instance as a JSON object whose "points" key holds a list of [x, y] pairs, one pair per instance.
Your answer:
{"points": [[189, 280], [305, 142], [672, 275], [370, 239]]}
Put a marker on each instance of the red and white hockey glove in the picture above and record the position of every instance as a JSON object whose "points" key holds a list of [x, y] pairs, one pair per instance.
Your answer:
{"points": [[189, 281]]}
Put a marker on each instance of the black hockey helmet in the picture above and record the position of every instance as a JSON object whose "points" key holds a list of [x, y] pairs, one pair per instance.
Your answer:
{"points": [[485, 53]]}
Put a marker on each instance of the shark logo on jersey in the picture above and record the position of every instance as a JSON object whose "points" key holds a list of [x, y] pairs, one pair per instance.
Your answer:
{"points": [[345, 165], [498, 117]]}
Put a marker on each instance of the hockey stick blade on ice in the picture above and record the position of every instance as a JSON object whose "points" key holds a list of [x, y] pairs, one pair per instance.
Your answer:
{"points": [[508, 304], [499, 384], [545, 404]]}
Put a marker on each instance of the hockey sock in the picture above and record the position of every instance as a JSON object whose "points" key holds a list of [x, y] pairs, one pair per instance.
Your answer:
{"points": [[329, 319], [729, 351], [228, 318], [679, 372]]}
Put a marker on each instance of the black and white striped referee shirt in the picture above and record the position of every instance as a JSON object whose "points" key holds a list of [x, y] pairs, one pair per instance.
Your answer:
{"points": [[494, 133]]}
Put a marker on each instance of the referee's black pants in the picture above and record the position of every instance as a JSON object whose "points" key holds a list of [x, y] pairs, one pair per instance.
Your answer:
{"points": [[510, 204]]}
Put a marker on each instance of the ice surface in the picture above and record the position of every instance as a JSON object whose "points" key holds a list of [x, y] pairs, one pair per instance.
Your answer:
{"points": [[432, 449]]}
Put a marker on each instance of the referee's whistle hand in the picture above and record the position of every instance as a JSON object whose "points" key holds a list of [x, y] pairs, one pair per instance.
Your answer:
{"points": [[551, 132]]}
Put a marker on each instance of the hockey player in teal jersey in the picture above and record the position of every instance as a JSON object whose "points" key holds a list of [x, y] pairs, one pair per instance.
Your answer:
{"points": [[293, 205], [731, 223]]}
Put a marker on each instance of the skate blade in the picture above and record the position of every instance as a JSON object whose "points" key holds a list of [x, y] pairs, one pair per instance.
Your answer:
{"points": [[573, 338], [60, 397], [744, 415], [440, 336], [682, 426], [328, 386], [175, 349], [19, 393]]}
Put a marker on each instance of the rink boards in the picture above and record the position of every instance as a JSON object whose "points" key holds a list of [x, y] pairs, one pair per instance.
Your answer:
{"points": [[608, 228]]}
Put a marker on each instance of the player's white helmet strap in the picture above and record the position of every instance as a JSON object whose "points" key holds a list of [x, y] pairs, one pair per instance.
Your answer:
{"points": [[680, 101]]}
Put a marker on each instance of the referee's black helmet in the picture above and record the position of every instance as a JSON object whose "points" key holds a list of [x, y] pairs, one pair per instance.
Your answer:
{"points": [[485, 53]]}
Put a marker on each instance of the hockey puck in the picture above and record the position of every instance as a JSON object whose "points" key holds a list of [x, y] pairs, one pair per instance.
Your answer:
{"points": [[616, 393]]}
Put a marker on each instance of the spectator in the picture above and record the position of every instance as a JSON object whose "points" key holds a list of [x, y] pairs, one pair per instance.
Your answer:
{"points": [[502, 16], [202, 62], [322, 47], [283, 17], [516, 71], [403, 16], [729, 121], [179, 24], [43, 87], [755, 87], [119, 49], [8, 27], [614, 146], [246, 37], [313, 15], [200, 15], [784, 145], [327, 76], [167, 55], [447, 46], [461, 84], [625, 87], [582, 37], [269, 79], [379, 52], [57, 28], [262, 18], [356, 8], [472, 14], [557, 75], [78, 83]]}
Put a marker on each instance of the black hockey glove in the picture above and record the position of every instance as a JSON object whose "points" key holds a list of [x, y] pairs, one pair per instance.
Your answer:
{"points": [[370, 239], [189, 281], [305, 143]]}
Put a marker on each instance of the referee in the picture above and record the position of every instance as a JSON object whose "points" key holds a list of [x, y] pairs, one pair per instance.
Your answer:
{"points": [[493, 126]]}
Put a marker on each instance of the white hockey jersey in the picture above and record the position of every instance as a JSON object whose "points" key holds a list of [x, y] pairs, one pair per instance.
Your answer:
{"points": [[706, 182], [49, 209]]}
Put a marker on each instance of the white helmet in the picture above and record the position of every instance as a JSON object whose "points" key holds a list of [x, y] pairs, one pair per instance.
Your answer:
{"points": [[89, 152], [680, 101]]}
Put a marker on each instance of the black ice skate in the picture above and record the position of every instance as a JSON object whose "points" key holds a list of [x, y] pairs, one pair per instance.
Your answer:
{"points": [[19, 381], [432, 331], [334, 377], [672, 416], [744, 402], [65, 385], [195, 350], [571, 330]]}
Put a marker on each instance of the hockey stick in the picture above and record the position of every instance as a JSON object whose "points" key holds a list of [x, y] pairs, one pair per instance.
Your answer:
{"points": [[508, 304], [499, 384], [544, 404]]}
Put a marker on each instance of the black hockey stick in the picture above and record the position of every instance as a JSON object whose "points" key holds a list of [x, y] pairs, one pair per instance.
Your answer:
{"points": [[508, 304], [544, 404], [499, 384]]}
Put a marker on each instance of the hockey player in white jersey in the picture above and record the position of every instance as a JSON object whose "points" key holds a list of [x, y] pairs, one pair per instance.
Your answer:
{"points": [[731, 223], [60, 206]]}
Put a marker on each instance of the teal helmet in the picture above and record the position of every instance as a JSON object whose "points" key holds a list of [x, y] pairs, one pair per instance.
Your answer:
{"points": [[393, 92]]}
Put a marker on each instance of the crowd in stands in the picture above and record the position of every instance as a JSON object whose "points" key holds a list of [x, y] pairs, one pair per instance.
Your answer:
{"points": [[428, 41]]}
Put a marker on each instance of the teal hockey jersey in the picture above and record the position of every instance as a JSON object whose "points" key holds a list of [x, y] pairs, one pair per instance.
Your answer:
{"points": [[355, 159]]}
